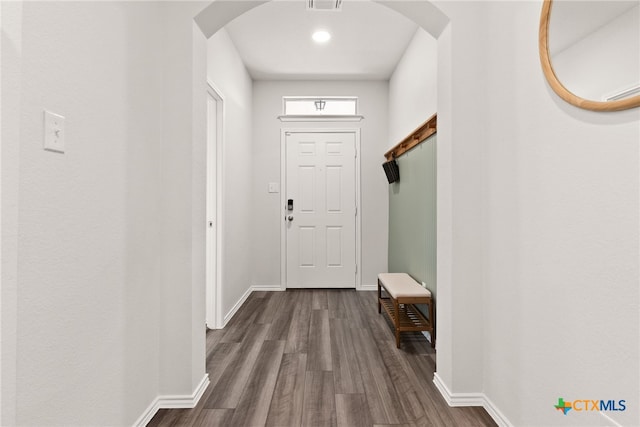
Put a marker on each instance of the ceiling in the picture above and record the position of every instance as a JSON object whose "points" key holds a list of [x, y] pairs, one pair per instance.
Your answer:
{"points": [[571, 21], [367, 41]]}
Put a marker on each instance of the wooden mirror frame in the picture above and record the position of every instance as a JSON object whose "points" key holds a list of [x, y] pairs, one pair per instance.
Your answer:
{"points": [[559, 88]]}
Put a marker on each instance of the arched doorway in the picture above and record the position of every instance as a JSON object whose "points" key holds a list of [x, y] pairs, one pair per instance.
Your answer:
{"points": [[435, 22]]}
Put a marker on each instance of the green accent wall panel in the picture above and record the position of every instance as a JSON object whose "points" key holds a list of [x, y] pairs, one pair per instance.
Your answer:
{"points": [[412, 215]]}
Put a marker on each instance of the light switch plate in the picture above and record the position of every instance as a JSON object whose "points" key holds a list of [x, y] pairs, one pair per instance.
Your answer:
{"points": [[53, 132], [274, 187]]}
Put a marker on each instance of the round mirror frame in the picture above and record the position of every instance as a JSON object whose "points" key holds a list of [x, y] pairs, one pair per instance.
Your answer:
{"points": [[559, 88]]}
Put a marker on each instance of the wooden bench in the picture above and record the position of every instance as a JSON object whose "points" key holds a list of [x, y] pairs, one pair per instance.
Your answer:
{"points": [[402, 293]]}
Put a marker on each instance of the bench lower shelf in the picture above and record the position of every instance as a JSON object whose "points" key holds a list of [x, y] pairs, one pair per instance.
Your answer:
{"points": [[410, 318]]}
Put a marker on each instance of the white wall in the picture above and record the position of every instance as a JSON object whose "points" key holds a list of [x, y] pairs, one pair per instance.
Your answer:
{"points": [[87, 228], [11, 26], [198, 202], [562, 224], [105, 278], [182, 301], [604, 62], [267, 99], [544, 247], [459, 204], [413, 87], [444, 212], [227, 72]]}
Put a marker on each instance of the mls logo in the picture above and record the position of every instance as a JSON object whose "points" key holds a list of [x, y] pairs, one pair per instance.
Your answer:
{"points": [[563, 406]]}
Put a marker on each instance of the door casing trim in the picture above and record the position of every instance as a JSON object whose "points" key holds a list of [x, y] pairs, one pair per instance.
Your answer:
{"points": [[283, 199]]}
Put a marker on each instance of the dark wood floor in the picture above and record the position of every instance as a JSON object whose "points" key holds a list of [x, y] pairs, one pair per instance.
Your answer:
{"points": [[318, 358]]}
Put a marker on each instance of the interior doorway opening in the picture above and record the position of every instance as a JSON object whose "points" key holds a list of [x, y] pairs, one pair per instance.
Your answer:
{"points": [[432, 20], [215, 165]]}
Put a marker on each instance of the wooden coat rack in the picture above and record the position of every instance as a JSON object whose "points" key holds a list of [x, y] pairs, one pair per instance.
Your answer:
{"points": [[416, 137]]}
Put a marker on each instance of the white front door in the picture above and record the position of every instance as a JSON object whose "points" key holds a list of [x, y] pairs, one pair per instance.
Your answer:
{"points": [[320, 210]]}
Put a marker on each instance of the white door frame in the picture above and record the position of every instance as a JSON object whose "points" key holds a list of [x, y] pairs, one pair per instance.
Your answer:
{"points": [[215, 166], [283, 199]]}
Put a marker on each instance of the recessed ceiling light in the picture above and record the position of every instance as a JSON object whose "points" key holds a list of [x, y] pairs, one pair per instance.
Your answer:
{"points": [[321, 36]]}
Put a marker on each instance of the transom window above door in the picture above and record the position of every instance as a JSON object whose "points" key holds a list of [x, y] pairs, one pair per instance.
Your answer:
{"points": [[321, 108]]}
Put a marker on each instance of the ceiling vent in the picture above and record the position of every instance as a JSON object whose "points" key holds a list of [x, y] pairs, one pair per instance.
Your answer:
{"points": [[325, 5]]}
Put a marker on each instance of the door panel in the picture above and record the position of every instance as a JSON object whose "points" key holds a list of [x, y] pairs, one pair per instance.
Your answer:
{"points": [[334, 186], [321, 232], [334, 246], [307, 246]]}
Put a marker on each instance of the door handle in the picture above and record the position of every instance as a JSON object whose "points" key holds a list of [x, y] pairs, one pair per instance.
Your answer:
{"points": [[290, 218]]}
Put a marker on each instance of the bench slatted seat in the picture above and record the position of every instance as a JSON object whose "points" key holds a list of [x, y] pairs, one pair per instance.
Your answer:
{"points": [[402, 293]]}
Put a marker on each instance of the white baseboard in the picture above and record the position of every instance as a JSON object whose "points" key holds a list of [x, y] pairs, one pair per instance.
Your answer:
{"points": [[471, 399], [146, 417], [236, 307], [177, 401], [368, 288], [457, 399], [267, 288], [173, 401], [495, 413]]}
